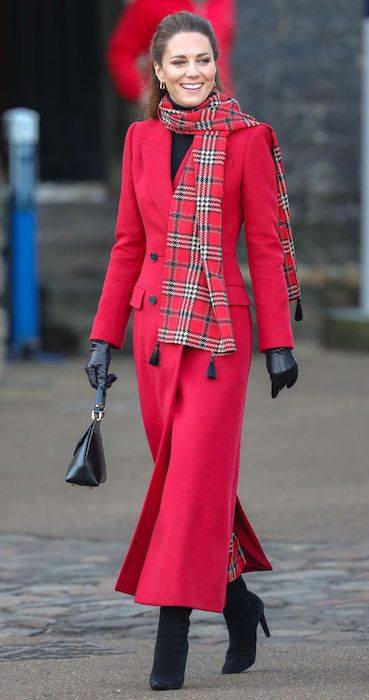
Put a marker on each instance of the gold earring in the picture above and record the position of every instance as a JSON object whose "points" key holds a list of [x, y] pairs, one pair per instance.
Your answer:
{"points": [[162, 85]]}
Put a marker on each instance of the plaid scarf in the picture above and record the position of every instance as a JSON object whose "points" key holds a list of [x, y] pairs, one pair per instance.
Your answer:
{"points": [[194, 308]]}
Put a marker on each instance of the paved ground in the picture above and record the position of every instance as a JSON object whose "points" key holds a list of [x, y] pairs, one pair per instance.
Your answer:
{"points": [[281, 673], [304, 483], [56, 589]]}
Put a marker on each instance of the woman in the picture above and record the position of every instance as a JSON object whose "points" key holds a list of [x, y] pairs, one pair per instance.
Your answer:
{"points": [[191, 174]]}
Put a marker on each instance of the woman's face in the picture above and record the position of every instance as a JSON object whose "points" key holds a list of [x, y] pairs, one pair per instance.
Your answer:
{"points": [[188, 68]]}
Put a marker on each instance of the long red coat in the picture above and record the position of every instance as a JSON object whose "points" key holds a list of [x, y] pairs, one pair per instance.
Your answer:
{"points": [[135, 28], [179, 551]]}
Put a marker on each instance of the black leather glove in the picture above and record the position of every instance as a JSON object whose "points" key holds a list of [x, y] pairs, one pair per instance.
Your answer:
{"points": [[282, 368], [98, 365]]}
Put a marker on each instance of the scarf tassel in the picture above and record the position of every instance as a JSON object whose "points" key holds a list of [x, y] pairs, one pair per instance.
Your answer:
{"points": [[298, 311], [211, 369], [154, 359]]}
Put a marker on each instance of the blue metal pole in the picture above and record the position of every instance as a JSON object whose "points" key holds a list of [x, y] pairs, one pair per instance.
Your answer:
{"points": [[24, 317], [22, 132], [364, 262]]}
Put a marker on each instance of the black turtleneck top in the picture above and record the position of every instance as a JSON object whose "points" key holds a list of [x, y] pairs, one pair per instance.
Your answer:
{"points": [[180, 143]]}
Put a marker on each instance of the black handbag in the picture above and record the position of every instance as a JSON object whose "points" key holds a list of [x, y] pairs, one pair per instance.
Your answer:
{"points": [[87, 467]]}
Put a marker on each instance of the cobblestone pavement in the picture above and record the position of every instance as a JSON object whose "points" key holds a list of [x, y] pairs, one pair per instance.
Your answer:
{"points": [[57, 598]]}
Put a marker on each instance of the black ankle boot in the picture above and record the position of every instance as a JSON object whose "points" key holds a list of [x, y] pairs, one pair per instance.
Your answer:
{"points": [[171, 648], [243, 612]]}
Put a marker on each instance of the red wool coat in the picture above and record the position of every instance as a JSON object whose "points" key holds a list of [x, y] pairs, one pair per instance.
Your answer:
{"points": [[179, 551], [137, 24]]}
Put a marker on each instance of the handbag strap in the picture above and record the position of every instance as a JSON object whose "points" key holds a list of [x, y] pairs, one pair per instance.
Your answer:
{"points": [[99, 407]]}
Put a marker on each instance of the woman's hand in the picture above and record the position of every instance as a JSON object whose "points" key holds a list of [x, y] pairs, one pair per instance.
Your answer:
{"points": [[282, 368], [98, 365]]}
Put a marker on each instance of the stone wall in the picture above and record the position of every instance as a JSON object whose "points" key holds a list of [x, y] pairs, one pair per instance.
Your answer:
{"points": [[297, 66]]}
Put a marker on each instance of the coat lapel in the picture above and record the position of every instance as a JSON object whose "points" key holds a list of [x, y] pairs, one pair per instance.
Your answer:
{"points": [[156, 161]]}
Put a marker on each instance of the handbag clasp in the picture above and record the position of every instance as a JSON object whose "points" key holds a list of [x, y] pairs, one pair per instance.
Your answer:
{"points": [[98, 412], [99, 408]]}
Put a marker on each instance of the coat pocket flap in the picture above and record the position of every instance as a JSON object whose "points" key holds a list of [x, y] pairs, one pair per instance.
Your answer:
{"points": [[137, 296], [237, 294]]}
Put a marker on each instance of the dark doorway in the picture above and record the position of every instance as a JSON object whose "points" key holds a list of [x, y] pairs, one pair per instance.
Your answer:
{"points": [[53, 63]]}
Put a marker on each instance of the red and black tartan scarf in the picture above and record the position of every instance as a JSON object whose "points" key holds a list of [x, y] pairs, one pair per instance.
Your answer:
{"points": [[194, 308]]}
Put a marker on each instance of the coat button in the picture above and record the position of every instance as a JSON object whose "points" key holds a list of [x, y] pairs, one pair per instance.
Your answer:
{"points": [[154, 256], [152, 299]]}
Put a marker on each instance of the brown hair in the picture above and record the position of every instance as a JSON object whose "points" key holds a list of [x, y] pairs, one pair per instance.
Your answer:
{"points": [[168, 27]]}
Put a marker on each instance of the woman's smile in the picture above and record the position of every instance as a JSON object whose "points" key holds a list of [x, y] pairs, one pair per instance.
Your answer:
{"points": [[192, 87]]}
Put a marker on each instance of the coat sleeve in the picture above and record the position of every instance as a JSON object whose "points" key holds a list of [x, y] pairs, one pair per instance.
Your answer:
{"points": [[126, 259], [129, 40], [264, 248]]}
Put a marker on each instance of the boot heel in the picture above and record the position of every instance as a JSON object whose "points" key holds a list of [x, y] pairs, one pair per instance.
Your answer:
{"points": [[264, 625]]}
